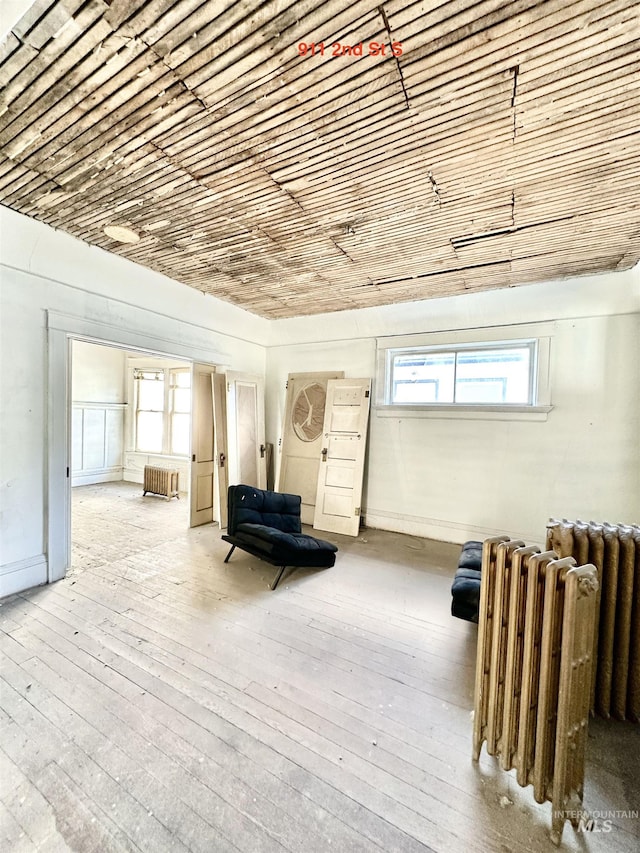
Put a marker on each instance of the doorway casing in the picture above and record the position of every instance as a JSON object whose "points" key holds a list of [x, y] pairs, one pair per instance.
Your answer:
{"points": [[62, 329]]}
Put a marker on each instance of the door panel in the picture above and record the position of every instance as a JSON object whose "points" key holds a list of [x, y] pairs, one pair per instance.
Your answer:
{"points": [[246, 420], [221, 452], [202, 446], [342, 478], [245, 430], [203, 494], [343, 447], [345, 419], [341, 464], [299, 476], [337, 504], [301, 439]]}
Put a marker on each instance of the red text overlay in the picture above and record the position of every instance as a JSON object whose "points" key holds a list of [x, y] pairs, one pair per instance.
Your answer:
{"points": [[372, 48]]}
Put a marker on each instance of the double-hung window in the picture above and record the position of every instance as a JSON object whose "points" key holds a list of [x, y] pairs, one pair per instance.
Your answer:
{"points": [[180, 411], [162, 410]]}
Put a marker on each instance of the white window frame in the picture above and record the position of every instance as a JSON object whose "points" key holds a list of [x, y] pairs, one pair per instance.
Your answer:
{"points": [[171, 411], [167, 412], [536, 336]]}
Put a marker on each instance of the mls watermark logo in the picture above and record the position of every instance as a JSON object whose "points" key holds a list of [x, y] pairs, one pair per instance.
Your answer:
{"points": [[597, 821], [594, 824]]}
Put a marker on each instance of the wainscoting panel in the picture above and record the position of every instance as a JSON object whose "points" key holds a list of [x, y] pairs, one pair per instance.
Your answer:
{"points": [[97, 442]]}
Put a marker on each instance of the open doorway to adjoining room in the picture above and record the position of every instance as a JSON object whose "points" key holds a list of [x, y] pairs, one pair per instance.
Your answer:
{"points": [[130, 412]]}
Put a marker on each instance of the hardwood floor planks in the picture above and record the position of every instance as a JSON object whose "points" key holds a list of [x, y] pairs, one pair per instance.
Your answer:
{"points": [[169, 697], [159, 699], [215, 820], [32, 725]]}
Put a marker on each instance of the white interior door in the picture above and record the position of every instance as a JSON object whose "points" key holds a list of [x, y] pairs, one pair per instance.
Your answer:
{"points": [[301, 439], [202, 446], [245, 430], [341, 466], [221, 453]]}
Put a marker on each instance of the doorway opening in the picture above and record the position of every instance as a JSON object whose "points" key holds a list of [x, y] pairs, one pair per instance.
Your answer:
{"points": [[64, 331], [133, 411]]}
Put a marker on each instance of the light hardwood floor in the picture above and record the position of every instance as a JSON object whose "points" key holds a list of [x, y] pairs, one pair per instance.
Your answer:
{"points": [[157, 699]]}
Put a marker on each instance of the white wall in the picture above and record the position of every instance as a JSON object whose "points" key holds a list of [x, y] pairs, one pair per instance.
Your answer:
{"points": [[456, 479], [45, 271], [98, 374]]}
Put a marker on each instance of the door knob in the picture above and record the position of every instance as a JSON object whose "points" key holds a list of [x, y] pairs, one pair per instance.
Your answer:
{"points": [[262, 450], [324, 454]]}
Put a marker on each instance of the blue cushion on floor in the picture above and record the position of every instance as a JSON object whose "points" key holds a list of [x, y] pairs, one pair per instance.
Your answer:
{"points": [[272, 540], [470, 559], [465, 589], [250, 505]]}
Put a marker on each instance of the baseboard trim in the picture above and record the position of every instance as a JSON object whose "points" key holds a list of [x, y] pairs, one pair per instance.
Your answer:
{"points": [[91, 477], [23, 574], [440, 529]]}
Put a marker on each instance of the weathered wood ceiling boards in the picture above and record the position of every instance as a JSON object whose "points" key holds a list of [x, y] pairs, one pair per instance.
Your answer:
{"points": [[489, 144]]}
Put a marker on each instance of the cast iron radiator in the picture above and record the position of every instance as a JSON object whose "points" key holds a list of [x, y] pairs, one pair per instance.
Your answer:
{"points": [[161, 481], [533, 671], [614, 549]]}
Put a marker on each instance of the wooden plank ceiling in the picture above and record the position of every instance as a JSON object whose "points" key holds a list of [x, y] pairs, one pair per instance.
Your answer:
{"points": [[499, 147]]}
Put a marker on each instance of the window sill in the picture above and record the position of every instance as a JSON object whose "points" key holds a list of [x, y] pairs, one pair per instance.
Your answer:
{"points": [[479, 412], [169, 457]]}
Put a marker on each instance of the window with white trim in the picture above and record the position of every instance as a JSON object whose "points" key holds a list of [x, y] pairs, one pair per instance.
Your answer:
{"points": [[162, 410], [467, 375], [469, 372], [180, 411]]}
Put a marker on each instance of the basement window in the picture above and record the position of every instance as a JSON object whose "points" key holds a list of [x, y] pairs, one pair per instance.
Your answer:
{"points": [[491, 378]]}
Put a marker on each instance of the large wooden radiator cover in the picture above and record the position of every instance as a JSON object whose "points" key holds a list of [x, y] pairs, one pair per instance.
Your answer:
{"points": [[533, 673]]}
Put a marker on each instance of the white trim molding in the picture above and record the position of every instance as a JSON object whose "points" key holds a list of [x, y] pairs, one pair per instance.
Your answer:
{"points": [[62, 329], [439, 529], [484, 413], [540, 334], [97, 332], [23, 574]]}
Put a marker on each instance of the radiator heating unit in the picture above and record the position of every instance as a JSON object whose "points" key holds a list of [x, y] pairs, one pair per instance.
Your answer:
{"points": [[615, 551], [161, 481], [534, 670]]}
